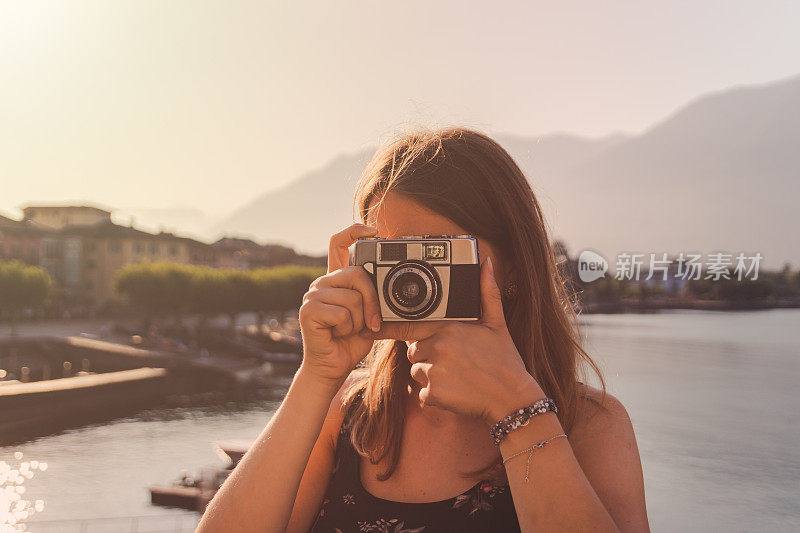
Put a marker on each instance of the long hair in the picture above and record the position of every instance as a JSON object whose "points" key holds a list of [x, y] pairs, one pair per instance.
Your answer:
{"points": [[470, 179]]}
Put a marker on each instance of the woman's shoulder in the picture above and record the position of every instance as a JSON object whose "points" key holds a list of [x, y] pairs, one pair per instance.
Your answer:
{"points": [[600, 417], [603, 439], [604, 444], [340, 403]]}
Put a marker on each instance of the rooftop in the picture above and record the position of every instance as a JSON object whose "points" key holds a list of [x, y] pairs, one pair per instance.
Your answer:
{"points": [[63, 207]]}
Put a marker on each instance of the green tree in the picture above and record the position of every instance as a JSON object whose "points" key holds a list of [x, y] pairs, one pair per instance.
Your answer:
{"points": [[206, 293], [22, 287], [161, 289], [291, 282], [263, 290], [158, 289], [236, 291]]}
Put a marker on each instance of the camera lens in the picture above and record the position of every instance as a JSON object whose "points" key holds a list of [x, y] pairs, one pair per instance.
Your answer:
{"points": [[412, 289], [409, 289]]}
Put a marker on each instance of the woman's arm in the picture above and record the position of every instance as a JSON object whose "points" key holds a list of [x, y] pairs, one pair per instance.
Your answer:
{"points": [[260, 492], [318, 471], [591, 482], [337, 311]]}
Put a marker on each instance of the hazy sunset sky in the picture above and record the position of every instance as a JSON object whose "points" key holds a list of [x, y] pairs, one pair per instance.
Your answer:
{"points": [[206, 104]]}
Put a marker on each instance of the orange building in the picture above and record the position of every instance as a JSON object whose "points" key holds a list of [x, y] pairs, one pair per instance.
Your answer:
{"points": [[20, 240], [82, 249], [62, 216]]}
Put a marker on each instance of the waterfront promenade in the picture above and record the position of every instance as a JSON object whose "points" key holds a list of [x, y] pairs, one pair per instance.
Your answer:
{"points": [[54, 381]]}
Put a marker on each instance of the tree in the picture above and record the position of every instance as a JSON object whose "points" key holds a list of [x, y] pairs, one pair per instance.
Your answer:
{"points": [[290, 283], [235, 295], [22, 287], [264, 287], [207, 290], [158, 289]]}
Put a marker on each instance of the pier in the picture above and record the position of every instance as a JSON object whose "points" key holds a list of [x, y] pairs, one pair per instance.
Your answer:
{"points": [[53, 383]]}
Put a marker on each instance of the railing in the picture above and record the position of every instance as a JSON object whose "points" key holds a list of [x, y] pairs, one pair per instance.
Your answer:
{"points": [[164, 523]]}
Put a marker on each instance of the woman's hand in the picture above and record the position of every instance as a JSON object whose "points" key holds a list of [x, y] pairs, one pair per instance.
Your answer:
{"points": [[472, 368], [338, 311]]}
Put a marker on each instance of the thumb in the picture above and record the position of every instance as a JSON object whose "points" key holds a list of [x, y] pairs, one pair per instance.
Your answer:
{"points": [[491, 302]]}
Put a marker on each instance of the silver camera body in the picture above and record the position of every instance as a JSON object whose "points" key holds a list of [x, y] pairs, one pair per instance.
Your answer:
{"points": [[423, 277]]}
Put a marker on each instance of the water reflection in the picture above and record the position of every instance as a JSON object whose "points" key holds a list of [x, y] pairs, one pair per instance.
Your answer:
{"points": [[14, 508], [715, 404], [713, 397], [98, 474]]}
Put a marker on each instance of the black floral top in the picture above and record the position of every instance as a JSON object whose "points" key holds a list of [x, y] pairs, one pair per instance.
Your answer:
{"points": [[348, 507]]}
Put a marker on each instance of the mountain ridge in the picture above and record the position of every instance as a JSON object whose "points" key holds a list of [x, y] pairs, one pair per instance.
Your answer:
{"points": [[717, 173]]}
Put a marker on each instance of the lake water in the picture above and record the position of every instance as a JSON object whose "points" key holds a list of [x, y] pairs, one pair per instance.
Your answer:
{"points": [[714, 399]]}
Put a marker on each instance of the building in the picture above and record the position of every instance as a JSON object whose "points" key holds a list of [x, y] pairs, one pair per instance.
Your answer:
{"points": [[20, 240], [83, 260], [247, 254], [670, 280], [82, 249], [62, 216]]}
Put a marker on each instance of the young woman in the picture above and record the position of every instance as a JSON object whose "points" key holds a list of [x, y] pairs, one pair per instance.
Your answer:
{"points": [[386, 426]]}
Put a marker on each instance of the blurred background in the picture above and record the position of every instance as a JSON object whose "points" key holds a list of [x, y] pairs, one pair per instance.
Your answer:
{"points": [[170, 174]]}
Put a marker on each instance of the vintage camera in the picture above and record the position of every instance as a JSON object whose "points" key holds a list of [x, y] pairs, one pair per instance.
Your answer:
{"points": [[423, 277]]}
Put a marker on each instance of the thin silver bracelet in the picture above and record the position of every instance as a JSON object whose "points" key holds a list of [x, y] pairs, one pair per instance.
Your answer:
{"points": [[530, 451]]}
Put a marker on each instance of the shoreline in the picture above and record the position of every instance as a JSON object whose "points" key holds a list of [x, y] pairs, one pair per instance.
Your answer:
{"points": [[682, 304]]}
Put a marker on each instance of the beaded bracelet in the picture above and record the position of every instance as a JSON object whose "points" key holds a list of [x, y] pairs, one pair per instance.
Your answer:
{"points": [[521, 417]]}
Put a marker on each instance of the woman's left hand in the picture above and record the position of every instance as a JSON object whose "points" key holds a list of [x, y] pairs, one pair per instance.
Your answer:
{"points": [[471, 368]]}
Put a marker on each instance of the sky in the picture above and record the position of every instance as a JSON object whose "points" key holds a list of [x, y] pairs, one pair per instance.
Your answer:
{"points": [[206, 104]]}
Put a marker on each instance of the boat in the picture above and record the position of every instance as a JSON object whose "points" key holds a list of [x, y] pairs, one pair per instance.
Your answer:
{"points": [[231, 451], [194, 493]]}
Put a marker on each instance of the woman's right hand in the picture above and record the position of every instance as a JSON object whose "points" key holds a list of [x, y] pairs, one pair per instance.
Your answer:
{"points": [[338, 312]]}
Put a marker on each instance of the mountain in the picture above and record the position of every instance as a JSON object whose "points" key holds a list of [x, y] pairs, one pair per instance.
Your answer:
{"points": [[187, 222], [305, 212], [718, 174]]}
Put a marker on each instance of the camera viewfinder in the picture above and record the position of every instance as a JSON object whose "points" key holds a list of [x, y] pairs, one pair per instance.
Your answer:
{"points": [[437, 251]]}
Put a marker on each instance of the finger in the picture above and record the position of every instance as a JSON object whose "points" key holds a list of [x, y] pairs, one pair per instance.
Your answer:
{"points": [[419, 373], [338, 253], [425, 396], [349, 298], [345, 327], [323, 316], [491, 301], [408, 331], [357, 279], [414, 354], [424, 350]]}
